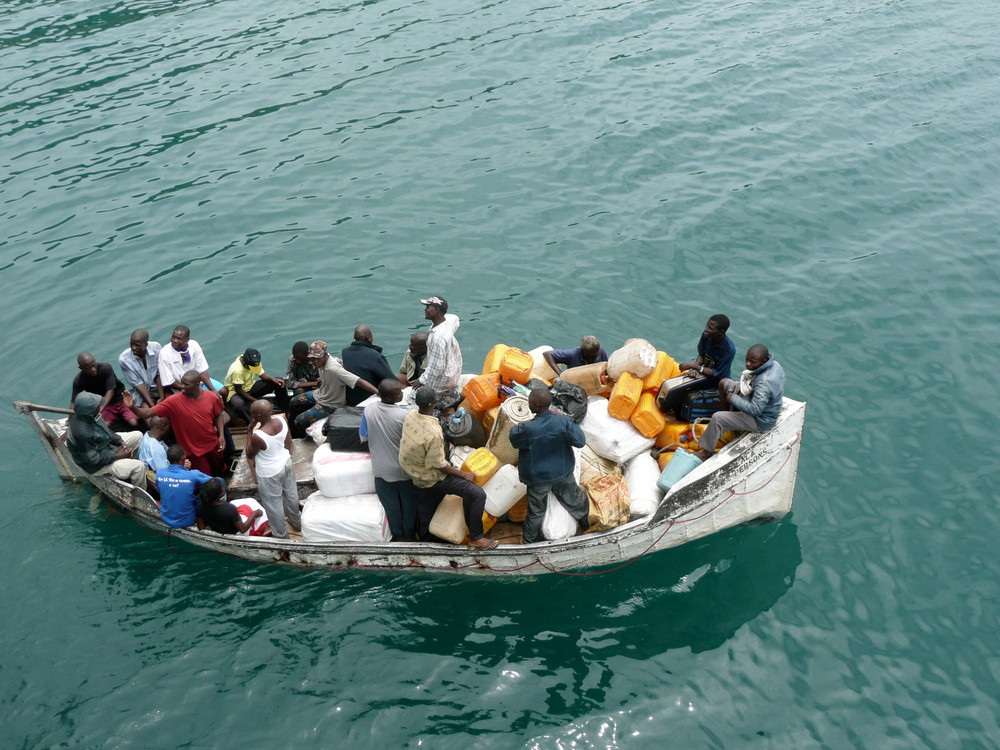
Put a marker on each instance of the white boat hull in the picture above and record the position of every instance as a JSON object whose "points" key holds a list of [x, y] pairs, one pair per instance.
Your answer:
{"points": [[751, 479]]}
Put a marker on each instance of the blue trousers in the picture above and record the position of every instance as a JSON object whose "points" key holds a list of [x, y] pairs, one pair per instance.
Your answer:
{"points": [[400, 500]]}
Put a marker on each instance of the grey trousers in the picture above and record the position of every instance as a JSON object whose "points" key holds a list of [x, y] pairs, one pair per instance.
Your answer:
{"points": [[566, 491], [280, 498], [724, 421]]}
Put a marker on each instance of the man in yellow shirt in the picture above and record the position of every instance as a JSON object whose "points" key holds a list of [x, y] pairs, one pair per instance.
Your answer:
{"points": [[243, 388]]}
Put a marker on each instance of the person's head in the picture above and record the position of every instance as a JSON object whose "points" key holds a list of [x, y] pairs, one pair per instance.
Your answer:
{"points": [[390, 391], [176, 455], [180, 337], [213, 492], [300, 351], [425, 399], [590, 347], [85, 406], [716, 328], [418, 344], [317, 353], [138, 342], [87, 364], [191, 384], [539, 400], [159, 426], [250, 358], [363, 333], [260, 410], [756, 356], [434, 307]]}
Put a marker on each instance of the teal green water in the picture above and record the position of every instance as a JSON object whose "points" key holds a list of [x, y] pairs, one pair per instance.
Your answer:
{"points": [[823, 172]]}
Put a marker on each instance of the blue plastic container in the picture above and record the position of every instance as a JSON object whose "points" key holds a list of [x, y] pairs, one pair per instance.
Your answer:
{"points": [[682, 464]]}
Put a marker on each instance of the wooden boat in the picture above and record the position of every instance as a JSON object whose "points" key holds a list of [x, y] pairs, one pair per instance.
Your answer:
{"points": [[751, 479]]}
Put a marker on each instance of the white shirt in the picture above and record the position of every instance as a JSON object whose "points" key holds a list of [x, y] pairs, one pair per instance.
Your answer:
{"points": [[172, 364]]}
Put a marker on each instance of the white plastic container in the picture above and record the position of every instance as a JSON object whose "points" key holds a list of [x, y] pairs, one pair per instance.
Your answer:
{"points": [[541, 370], [557, 523], [342, 474], [636, 356], [344, 519], [503, 490], [641, 474], [609, 437], [448, 522]]}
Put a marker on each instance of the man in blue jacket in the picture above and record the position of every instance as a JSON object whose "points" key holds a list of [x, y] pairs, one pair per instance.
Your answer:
{"points": [[756, 399], [545, 462]]}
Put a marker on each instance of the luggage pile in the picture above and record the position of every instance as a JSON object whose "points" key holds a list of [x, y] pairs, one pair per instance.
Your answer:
{"points": [[615, 404]]}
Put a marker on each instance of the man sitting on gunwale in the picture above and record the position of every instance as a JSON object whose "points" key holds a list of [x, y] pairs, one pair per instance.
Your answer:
{"points": [[183, 354], [140, 364], [99, 378]]}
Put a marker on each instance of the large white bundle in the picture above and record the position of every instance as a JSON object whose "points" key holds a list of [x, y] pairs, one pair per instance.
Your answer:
{"points": [[557, 523], [636, 356], [344, 519], [609, 437], [503, 490], [641, 474], [342, 474]]}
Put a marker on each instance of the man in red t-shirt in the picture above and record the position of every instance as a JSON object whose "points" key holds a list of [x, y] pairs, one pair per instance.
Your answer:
{"points": [[197, 419]]}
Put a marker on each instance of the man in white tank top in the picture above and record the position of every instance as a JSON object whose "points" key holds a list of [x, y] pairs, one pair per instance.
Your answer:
{"points": [[268, 448]]}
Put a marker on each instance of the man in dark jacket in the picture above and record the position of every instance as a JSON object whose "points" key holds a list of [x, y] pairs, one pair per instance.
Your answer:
{"points": [[545, 462], [365, 360], [755, 400], [97, 449]]}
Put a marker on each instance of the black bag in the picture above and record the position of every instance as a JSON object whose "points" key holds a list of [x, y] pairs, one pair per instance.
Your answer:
{"points": [[673, 390], [571, 399], [698, 405], [341, 430]]}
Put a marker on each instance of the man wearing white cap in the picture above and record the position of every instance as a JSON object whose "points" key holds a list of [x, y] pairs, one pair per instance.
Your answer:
{"points": [[334, 380], [444, 356]]}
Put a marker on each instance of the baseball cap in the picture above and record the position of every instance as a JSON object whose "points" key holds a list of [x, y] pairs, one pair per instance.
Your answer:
{"points": [[439, 302], [251, 357]]}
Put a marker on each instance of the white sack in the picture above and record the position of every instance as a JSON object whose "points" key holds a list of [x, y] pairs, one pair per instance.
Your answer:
{"points": [[315, 431], [344, 519], [641, 474], [609, 437], [340, 474], [557, 523]]}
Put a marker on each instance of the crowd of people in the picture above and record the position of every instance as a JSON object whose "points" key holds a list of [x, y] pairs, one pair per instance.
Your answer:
{"points": [[167, 389]]}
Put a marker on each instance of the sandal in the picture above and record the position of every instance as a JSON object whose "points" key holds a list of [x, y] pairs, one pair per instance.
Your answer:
{"points": [[485, 543]]}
